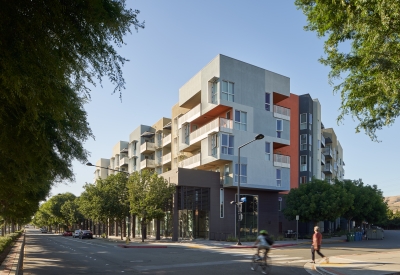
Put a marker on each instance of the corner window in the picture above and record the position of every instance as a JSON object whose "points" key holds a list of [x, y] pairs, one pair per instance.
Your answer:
{"points": [[227, 91], [214, 92], [268, 151], [303, 142], [278, 177], [240, 120], [303, 163], [279, 128], [303, 121], [243, 173], [227, 144], [268, 102]]}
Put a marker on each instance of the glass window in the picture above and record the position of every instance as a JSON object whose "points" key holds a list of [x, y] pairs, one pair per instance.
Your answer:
{"points": [[303, 121], [303, 142], [279, 128], [243, 173], [310, 164], [227, 144], [310, 142], [268, 102], [214, 91], [268, 151], [303, 163], [278, 177], [240, 120], [227, 91], [214, 145], [310, 118], [303, 179]]}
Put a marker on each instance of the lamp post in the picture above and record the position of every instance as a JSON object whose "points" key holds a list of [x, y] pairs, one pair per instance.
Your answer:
{"points": [[90, 164], [238, 203]]}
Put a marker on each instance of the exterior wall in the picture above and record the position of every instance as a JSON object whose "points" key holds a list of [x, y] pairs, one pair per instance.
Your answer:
{"points": [[116, 155], [135, 140], [317, 133], [337, 150], [101, 172], [306, 107]]}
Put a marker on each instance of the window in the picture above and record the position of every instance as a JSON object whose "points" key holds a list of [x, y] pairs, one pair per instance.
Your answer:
{"points": [[267, 151], [228, 115], [279, 204], [243, 173], [310, 121], [240, 120], [303, 142], [310, 164], [221, 202], [279, 128], [303, 121], [268, 102], [303, 179], [227, 91], [227, 144], [186, 133], [278, 177], [226, 174], [214, 92], [303, 163], [310, 142], [214, 145]]}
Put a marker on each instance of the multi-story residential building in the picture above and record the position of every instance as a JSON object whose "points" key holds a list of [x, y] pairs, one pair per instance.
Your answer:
{"points": [[119, 158], [101, 172]]}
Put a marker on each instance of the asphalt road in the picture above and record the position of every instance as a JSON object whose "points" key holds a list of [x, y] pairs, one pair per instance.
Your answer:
{"points": [[53, 254]]}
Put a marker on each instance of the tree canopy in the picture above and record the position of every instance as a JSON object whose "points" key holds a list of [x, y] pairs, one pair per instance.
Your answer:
{"points": [[371, 68], [317, 201], [50, 51]]}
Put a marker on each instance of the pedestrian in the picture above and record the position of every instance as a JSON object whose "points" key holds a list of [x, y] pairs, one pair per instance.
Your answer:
{"points": [[316, 245]]}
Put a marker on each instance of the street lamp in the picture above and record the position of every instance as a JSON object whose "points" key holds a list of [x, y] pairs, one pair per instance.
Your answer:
{"points": [[90, 164], [238, 203]]}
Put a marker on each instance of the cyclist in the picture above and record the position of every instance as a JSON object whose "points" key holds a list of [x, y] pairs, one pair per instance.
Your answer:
{"points": [[262, 242]]}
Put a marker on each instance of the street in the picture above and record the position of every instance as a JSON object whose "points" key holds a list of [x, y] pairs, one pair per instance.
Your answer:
{"points": [[54, 254]]}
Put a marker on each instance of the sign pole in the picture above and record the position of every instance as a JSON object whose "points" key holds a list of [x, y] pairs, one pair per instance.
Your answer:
{"points": [[297, 228]]}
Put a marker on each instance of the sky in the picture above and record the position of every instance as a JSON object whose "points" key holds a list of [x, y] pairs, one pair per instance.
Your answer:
{"points": [[181, 37]]}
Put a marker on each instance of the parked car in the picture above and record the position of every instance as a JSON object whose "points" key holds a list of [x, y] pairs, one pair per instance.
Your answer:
{"points": [[44, 230], [76, 233], [67, 233], [86, 234]]}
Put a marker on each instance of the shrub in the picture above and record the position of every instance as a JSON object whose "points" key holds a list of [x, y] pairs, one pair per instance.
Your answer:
{"points": [[7, 240]]}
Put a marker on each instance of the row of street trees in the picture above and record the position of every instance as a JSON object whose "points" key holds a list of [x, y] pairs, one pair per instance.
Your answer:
{"points": [[319, 200], [112, 199], [50, 52]]}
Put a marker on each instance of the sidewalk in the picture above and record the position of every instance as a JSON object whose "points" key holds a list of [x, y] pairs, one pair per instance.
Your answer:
{"points": [[366, 264]]}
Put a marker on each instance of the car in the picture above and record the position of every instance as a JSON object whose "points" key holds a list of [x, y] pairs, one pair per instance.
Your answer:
{"points": [[76, 233], [86, 234], [67, 233], [44, 230]]}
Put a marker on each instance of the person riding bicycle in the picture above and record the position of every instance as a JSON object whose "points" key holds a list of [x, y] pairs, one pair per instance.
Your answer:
{"points": [[263, 242]]}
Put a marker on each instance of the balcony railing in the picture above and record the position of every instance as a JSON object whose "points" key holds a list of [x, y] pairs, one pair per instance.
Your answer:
{"points": [[167, 158], [327, 152], [123, 161], [322, 141], [218, 124], [281, 160], [189, 116], [281, 112], [327, 169], [147, 146], [147, 163], [322, 159], [191, 162], [167, 140]]}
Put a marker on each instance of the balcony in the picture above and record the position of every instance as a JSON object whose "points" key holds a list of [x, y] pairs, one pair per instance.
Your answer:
{"points": [[147, 147], [217, 125], [327, 169], [167, 140], [322, 141], [191, 162], [322, 159], [281, 161], [166, 159], [322, 176], [327, 152], [281, 112], [147, 164], [123, 161], [189, 116]]}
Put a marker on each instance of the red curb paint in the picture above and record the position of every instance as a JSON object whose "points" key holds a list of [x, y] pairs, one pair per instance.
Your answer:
{"points": [[253, 246]]}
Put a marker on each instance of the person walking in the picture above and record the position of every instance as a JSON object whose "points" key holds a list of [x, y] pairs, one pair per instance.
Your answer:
{"points": [[316, 245]]}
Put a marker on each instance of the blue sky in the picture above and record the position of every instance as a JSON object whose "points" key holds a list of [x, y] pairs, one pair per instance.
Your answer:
{"points": [[181, 37]]}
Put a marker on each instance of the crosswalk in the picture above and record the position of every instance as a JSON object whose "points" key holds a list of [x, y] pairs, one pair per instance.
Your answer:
{"points": [[246, 254]]}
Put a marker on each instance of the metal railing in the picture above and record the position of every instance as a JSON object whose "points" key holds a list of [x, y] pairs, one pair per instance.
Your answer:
{"points": [[218, 122], [195, 112], [190, 161], [282, 110]]}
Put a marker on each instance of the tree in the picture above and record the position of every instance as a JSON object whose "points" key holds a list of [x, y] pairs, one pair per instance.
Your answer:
{"points": [[50, 52], [71, 213], [148, 196], [371, 68], [317, 201]]}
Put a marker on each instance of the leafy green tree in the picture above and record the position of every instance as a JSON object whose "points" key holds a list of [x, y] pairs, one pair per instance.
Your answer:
{"points": [[71, 213], [50, 52], [317, 201], [148, 196], [370, 68]]}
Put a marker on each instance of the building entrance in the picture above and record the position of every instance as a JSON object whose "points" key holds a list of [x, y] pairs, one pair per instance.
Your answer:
{"points": [[249, 222], [193, 210]]}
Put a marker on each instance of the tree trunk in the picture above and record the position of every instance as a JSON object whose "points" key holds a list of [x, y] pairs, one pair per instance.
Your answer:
{"points": [[158, 229]]}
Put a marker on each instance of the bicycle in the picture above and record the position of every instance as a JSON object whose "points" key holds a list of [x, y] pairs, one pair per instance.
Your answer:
{"points": [[264, 263]]}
